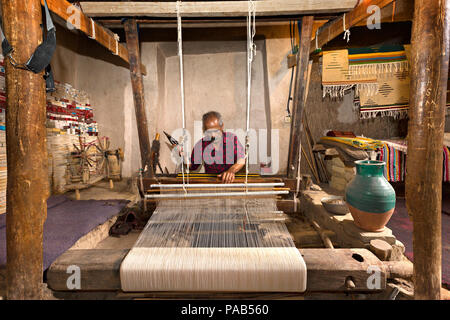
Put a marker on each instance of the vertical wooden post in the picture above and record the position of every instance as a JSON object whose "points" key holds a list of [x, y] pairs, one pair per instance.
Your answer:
{"points": [[299, 95], [27, 189], [429, 71], [137, 84]]}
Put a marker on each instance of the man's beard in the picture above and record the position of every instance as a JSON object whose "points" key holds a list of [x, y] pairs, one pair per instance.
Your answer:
{"points": [[216, 137]]}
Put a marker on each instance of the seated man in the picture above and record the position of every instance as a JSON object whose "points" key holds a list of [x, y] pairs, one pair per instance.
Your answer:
{"points": [[219, 151]]}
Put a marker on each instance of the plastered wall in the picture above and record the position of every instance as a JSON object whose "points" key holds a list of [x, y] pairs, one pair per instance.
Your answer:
{"points": [[215, 79]]}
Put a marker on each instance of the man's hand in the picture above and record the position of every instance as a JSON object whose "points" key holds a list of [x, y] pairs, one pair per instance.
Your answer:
{"points": [[227, 176]]}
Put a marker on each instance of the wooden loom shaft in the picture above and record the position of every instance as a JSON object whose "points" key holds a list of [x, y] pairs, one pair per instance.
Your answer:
{"points": [[222, 189], [219, 185], [248, 196], [215, 194]]}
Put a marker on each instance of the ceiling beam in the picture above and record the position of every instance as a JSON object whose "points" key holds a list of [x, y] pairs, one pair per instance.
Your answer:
{"points": [[333, 29], [215, 8], [82, 22]]}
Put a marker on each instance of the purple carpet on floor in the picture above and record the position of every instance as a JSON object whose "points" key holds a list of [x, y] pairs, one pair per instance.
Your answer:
{"points": [[402, 228], [67, 221]]}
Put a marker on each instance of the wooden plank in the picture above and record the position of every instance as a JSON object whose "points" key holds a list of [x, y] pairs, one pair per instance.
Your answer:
{"points": [[104, 36], [428, 86], [99, 269], [137, 85], [401, 12], [336, 27], [173, 180], [27, 153], [215, 8], [301, 81], [397, 11], [328, 270]]}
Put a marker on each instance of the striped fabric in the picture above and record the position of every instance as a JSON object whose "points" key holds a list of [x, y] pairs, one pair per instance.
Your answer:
{"points": [[395, 159], [394, 154], [382, 54]]}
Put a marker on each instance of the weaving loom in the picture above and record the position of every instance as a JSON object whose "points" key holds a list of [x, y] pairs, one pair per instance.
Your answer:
{"points": [[221, 245], [230, 238]]}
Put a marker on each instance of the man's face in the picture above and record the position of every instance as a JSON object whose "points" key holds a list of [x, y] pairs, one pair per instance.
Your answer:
{"points": [[213, 130], [212, 123]]}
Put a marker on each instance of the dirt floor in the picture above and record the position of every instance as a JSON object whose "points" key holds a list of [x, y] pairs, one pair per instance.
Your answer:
{"points": [[100, 191]]}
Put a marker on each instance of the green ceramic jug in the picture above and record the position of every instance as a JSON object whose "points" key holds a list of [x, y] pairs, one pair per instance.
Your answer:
{"points": [[369, 196]]}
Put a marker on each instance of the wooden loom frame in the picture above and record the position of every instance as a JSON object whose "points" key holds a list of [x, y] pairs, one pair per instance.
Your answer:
{"points": [[28, 274]]}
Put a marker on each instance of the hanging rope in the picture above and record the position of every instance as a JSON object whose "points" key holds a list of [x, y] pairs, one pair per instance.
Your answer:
{"points": [[251, 52], [346, 31], [317, 41], [183, 117]]}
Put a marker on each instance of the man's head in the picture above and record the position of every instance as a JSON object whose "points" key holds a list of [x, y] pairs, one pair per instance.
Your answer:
{"points": [[212, 120]]}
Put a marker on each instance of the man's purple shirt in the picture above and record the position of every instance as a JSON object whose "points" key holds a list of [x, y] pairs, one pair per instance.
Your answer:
{"points": [[217, 161]]}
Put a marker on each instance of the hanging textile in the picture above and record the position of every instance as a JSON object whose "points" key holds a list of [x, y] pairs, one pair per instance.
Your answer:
{"points": [[378, 61], [395, 160], [392, 98], [446, 172], [379, 75], [337, 79]]}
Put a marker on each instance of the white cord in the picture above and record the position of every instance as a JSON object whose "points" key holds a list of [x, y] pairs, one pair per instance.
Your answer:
{"points": [[93, 29], [251, 52], [346, 31], [183, 117]]}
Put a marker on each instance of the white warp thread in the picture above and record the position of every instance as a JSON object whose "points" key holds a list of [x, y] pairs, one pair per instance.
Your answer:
{"points": [[214, 269], [214, 245]]}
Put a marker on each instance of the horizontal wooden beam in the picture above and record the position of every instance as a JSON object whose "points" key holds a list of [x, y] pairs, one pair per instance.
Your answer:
{"points": [[328, 270], [215, 8], [72, 14], [333, 29]]}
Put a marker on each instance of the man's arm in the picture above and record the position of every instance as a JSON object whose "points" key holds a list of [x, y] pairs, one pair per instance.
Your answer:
{"points": [[229, 175]]}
